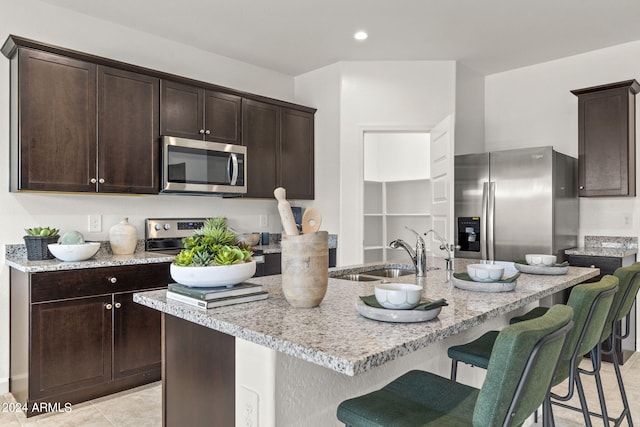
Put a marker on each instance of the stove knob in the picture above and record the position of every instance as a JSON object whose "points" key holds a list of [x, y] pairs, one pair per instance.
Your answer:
{"points": [[158, 227], [167, 226]]}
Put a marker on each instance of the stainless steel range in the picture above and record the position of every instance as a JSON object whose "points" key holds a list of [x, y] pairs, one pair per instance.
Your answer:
{"points": [[165, 234]]}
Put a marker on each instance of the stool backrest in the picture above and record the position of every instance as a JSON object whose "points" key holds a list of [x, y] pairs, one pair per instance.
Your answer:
{"points": [[628, 286], [591, 303], [521, 367]]}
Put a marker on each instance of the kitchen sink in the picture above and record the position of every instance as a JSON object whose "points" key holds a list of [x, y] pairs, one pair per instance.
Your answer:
{"points": [[358, 278], [389, 272]]}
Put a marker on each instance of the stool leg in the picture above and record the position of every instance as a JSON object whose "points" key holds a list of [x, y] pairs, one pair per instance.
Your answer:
{"points": [[627, 411], [454, 369], [583, 402]]}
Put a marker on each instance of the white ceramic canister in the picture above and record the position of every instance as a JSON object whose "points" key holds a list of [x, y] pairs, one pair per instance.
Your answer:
{"points": [[123, 238]]}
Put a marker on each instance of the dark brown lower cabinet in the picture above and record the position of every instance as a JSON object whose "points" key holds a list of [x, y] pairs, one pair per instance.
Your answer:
{"points": [[77, 334]]}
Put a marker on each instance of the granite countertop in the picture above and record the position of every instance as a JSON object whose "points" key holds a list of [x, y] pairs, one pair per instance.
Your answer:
{"points": [[16, 257], [608, 246], [335, 336]]}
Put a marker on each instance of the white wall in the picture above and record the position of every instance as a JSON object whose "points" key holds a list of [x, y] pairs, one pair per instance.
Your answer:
{"points": [[469, 118], [533, 106], [51, 25], [396, 156], [413, 95]]}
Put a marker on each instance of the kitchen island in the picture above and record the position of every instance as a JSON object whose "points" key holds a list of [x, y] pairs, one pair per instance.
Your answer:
{"points": [[266, 363]]}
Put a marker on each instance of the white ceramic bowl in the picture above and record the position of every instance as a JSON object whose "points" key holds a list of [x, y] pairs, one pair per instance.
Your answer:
{"points": [[70, 253], [218, 275], [398, 296], [540, 259], [485, 272]]}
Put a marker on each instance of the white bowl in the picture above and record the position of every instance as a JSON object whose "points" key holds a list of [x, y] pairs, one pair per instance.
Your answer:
{"points": [[485, 272], [540, 259], [69, 253], [398, 296], [218, 275]]}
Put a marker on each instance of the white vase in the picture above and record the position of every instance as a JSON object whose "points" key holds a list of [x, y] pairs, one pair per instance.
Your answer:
{"points": [[123, 238]]}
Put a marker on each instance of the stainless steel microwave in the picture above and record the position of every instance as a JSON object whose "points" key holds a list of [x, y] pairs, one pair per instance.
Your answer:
{"points": [[202, 167]]}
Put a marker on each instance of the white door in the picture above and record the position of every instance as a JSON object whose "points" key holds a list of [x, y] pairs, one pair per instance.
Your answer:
{"points": [[441, 166]]}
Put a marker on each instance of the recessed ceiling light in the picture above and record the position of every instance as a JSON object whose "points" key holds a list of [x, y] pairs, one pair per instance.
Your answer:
{"points": [[360, 35]]}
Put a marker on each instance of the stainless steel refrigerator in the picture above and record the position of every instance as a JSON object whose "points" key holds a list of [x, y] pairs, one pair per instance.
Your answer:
{"points": [[514, 202]]}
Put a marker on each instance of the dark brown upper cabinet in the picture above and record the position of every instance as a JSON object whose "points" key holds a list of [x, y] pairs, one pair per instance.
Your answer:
{"points": [[82, 127], [607, 140], [193, 112], [280, 148]]}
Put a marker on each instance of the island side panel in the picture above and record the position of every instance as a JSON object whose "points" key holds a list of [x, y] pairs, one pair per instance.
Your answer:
{"points": [[199, 375]]}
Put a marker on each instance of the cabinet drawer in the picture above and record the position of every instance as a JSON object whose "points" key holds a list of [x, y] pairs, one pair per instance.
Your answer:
{"points": [[96, 281], [607, 265]]}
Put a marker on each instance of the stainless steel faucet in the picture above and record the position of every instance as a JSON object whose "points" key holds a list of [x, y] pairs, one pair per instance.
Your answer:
{"points": [[418, 256]]}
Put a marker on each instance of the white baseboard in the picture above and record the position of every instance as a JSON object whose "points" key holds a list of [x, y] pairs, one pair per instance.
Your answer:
{"points": [[4, 385]]}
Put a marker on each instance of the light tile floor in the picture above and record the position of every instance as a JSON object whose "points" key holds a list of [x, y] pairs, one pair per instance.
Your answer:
{"points": [[141, 407]]}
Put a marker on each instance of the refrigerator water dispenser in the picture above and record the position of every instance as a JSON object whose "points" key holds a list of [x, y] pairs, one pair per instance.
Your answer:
{"points": [[469, 233]]}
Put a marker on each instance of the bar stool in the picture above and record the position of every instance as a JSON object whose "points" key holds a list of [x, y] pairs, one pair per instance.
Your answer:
{"points": [[629, 284], [592, 304], [420, 398]]}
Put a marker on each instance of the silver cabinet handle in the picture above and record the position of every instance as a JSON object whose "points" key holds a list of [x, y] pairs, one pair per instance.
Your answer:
{"points": [[582, 187], [113, 279], [201, 131], [208, 132], [101, 180], [118, 305], [93, 180], [108, 306]]}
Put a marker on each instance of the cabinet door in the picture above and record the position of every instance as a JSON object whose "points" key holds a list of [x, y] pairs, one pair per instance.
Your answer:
{"points": [[128, 132], [223, 117], [606, 141], [70, 345], [296, 154], [261, 132], [57, 122], [181, 110], [136, 338]]}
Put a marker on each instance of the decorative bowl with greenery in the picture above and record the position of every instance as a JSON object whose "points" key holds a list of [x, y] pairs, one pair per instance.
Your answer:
{"points": [[213, 256]]}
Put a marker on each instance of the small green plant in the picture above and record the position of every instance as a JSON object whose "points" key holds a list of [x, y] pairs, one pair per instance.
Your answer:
{"points": [[213, 244], [42, 231]]}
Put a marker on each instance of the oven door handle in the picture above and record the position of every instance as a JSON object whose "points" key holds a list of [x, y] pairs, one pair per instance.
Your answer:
{"points": [[232, 168]]}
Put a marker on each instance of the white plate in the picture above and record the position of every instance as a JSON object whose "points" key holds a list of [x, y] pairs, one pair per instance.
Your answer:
{"points": [[542, 269], [396, 316], [484, 287]]}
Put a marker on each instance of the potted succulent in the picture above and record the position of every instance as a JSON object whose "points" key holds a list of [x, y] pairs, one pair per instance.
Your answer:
{"points": [[213, 256], [37, 241]]}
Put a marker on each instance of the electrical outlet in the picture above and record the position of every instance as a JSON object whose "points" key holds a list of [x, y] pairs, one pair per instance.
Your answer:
{"points": [[95, 223], [248, 403], [264, 220]]}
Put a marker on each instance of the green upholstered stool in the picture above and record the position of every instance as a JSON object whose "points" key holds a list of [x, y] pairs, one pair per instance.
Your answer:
{"points": [[629, 278], [518, 379], [592, 304]]}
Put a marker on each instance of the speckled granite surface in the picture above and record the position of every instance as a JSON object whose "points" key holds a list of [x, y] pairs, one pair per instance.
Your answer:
{"points": [[609, 246], [335, 336], [16, 257]]}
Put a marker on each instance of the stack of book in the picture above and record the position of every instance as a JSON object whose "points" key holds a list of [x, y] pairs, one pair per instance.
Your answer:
{"points": [[215, 297]]}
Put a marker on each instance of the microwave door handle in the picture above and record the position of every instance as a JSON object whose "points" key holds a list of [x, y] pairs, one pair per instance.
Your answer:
{"points": [[232, 169]]}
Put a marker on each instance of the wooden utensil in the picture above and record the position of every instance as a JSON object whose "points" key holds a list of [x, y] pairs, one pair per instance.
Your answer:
{"points": [[284, 208], [311, 220]]}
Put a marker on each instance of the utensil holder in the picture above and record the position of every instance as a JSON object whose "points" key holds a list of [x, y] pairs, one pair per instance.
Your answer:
{"points": [[305, 268]]}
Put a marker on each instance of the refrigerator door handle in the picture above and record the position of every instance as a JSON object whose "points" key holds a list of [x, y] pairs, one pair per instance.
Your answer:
{"points": [[491, 221], [483, 221]]}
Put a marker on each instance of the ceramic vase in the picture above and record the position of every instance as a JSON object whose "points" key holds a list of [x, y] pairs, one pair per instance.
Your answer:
{"points": [[123, 238]]}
